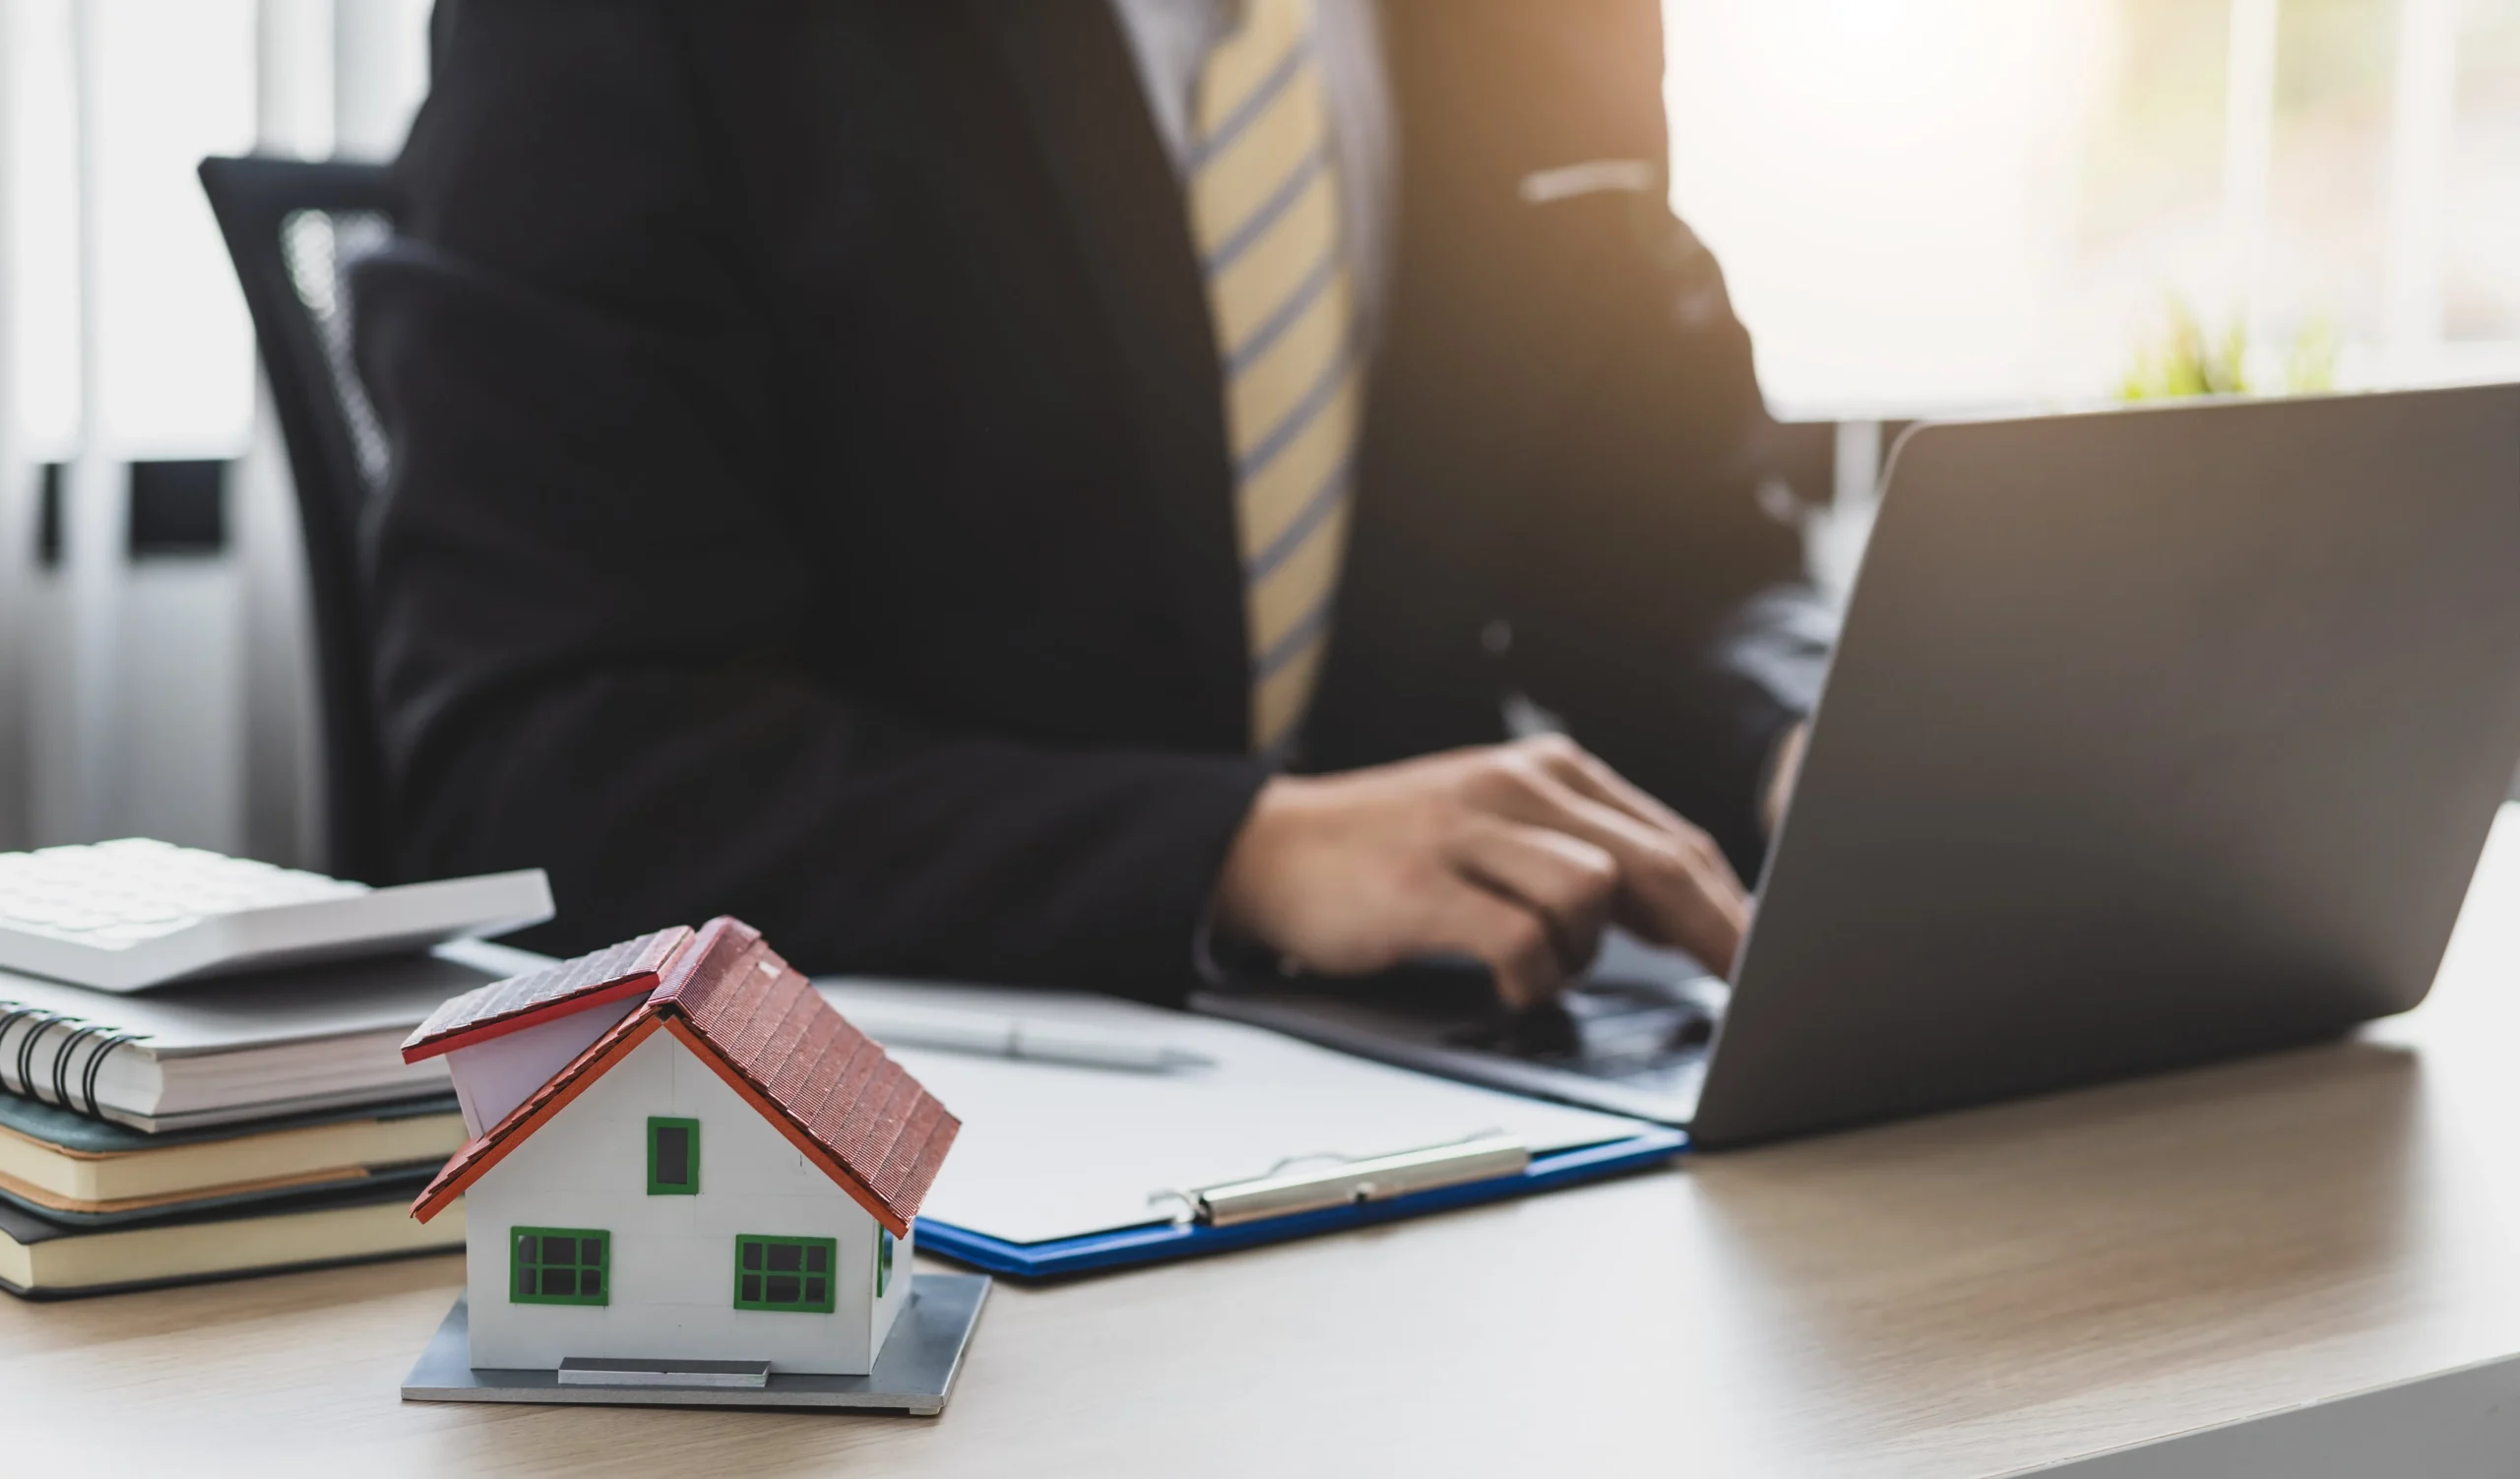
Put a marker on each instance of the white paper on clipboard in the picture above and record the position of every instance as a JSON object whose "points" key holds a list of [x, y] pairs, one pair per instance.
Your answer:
{"points": [[1049, 1150]]}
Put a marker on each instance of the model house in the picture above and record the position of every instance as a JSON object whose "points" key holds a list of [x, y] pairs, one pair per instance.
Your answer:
{"points": [[682, 1152]]}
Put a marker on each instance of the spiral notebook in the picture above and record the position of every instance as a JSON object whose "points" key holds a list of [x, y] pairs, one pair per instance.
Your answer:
{"points": [[246, 1048]]}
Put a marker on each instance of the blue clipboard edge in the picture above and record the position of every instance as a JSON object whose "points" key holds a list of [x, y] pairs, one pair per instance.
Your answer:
{"points": [[1162, 1242]]}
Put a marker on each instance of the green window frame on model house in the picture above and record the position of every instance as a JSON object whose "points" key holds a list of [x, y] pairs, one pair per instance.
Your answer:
{"points": [[795, 1276], [673, 1157], [560, 1266]]}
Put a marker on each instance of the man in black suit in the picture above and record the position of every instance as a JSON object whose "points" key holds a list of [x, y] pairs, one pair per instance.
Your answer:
{"points": [[1010, 489]]}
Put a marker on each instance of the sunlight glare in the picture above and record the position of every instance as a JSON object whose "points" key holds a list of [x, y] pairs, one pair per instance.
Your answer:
{"points": [[1886, 182]]}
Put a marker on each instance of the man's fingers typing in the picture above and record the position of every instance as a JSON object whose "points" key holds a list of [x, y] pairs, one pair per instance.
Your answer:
{"points": [[1588, 775], [1675, 888], [1510, 938], [1571, 883], [1518, 855]]}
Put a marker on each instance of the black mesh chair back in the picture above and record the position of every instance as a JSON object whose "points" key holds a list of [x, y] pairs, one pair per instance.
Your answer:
{"points": [[293, 231]]}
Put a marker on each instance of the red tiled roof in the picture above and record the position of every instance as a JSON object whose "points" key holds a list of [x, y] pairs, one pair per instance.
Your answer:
{"points": [[627, 969], [760, 1024]]}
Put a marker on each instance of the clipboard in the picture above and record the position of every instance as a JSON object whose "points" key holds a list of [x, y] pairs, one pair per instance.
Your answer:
{"points": [[1063, 1169], [1191, 1238]]}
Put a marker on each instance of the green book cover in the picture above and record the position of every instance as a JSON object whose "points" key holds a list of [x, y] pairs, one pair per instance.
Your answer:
{"points": [[60, 1127]]}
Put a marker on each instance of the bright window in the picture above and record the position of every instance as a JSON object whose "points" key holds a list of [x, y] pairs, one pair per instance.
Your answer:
{"points": [[1951, 204], [560, 1265], [790, 1274], [156, 85]]}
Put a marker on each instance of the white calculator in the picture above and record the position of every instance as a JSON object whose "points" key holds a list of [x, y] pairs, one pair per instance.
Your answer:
{"points": [[128, 915]]}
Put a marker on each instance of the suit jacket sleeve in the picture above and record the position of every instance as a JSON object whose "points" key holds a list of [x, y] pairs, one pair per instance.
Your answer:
{"points": [[587, 603], [1654, 604]]}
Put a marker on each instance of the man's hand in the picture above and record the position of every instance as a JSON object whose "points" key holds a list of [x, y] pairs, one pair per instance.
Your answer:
{"points": [[1784, 770], [1515, 854]]}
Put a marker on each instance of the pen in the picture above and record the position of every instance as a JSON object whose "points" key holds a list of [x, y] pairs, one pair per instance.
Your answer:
{"points": [[986, 1034]]}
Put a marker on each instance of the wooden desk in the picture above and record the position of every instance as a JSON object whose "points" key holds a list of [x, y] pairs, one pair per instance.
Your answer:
{"points": [[1975, 1294]]}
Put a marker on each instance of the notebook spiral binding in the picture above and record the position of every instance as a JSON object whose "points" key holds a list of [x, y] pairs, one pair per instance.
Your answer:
{"points": [[34, 1025]]}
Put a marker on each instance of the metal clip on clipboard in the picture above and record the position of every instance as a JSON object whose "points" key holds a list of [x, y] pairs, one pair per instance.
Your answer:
{"points": [[1281, 1192]]}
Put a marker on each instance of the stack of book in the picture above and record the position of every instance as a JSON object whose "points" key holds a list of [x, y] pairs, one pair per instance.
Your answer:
{"points": [[225, 1127]]}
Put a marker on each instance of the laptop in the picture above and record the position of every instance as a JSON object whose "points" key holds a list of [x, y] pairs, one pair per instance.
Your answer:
{"points": [[2154, 737]]}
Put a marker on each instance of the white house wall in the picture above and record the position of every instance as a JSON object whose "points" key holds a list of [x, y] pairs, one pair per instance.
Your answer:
{"points": [[896, 1295], [494, 1077], [505, 1072], [672, 1258]]}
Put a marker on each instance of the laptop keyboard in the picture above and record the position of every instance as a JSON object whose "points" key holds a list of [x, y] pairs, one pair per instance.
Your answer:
{"points": [[1613, 1029], [1631, 1039]]}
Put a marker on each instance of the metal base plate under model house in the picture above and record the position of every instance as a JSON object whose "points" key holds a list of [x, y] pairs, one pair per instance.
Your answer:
{"points": [[914, 1373]]}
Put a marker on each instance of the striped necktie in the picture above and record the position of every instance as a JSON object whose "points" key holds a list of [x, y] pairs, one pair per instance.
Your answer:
{"points": [[1264, 210]]}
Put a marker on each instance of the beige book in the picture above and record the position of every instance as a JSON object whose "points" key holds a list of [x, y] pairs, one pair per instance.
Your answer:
{"points": [[61, 1164], [39, 1257]]}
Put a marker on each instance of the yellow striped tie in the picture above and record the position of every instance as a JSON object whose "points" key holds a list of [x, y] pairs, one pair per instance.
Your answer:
{"points": [[1264, 209]]}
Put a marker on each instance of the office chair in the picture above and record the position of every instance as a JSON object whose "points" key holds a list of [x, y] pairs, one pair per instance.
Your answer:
{"points": [[293, 229]]}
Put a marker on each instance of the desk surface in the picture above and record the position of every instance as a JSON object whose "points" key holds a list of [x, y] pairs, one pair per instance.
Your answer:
{"points": [[1973, 1294]]}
